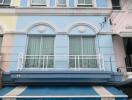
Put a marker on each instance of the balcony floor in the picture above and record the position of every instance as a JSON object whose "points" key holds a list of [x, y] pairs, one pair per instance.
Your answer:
{"points": [[42, 77]]}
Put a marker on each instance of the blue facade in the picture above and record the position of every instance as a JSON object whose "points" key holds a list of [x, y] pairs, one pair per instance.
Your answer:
{"points": [[77, 22]]}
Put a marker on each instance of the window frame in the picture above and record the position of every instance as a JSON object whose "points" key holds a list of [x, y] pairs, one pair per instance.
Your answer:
{"points": [[81, 37], [39, 4], [40, 45], [61, 6], [84, 5], [82, 47], [5, 3], [116, 7]]}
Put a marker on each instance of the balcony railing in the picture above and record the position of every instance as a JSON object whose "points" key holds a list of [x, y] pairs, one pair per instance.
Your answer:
{"points": [[50, 62], [128, 60]]}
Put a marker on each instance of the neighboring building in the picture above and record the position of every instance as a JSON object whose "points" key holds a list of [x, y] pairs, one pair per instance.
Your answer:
{"points": [[73, 48], [122, 28]]}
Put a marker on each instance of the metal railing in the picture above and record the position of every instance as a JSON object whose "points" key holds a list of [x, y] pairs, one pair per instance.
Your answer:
{"points": [[49, 62], [128, 61]]}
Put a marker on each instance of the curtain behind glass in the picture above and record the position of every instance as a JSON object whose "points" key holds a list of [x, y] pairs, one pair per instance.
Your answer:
{"points": [[82, 46], [47, 48], [75, 49], [41, 48], [33, 49], [89, 49]]}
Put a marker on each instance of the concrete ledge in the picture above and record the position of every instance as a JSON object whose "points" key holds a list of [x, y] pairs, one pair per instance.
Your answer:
{"points": [[55, 11], [33, 77]]}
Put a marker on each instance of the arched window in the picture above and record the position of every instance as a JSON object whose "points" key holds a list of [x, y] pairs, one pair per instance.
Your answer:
{"points": [[40, 47], [82, 48]]}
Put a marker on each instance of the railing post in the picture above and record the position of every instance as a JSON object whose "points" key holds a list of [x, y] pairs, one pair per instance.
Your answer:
{"points": [[111, 64], [46, 62], [43, 61], [99, 60], [102, 62], [74, 58], [20, 62], [78, 62]]}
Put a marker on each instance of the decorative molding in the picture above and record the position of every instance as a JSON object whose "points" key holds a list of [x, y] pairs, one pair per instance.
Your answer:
{"points": [[82, 29], [41, 28], [81, 23], [40, 23], [128, 27], [126, 34], [55, 11]]}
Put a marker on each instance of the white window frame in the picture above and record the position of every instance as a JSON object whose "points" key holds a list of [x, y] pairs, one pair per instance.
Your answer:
{"points": [[5, 3], [39, 4], [89, 5], [67, 4]]}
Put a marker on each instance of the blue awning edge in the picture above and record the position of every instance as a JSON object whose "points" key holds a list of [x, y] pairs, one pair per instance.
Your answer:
{"points": [[63, 92]]}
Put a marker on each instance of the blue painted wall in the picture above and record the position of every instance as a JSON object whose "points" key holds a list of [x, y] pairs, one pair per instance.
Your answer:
{"points": [[61, 48], [18, 47], [102, 3], [63, 24], [52, 3], [105, 45], [71, 3]]}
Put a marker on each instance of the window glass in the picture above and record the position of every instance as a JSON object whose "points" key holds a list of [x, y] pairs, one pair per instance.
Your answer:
{"points": [[88, 1], [41, 51], [81, 1], [83, 52], [85, 3], [7, 1], [116, 4], [61, 1], [1, 1], [39, 2]]}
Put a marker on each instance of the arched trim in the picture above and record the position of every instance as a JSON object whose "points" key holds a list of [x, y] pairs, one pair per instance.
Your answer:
{"points": [[39, 23], [73, 25]]}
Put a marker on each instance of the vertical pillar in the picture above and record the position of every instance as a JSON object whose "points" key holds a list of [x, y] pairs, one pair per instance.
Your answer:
{"points": [[61, 52]]}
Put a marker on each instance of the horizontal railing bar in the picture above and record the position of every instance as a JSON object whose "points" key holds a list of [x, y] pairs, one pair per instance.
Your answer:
{"points": [[46, 62]]}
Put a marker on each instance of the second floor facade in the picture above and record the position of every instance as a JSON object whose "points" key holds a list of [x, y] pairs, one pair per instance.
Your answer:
{"points": [[70, 39]]}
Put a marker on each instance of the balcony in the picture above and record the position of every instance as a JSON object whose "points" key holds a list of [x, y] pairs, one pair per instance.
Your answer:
{"points": [[128, 60], [51, 62], [61, 69]]}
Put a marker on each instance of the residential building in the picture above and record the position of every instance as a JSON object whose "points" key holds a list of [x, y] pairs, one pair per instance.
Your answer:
{"points": [[69, 47]]}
